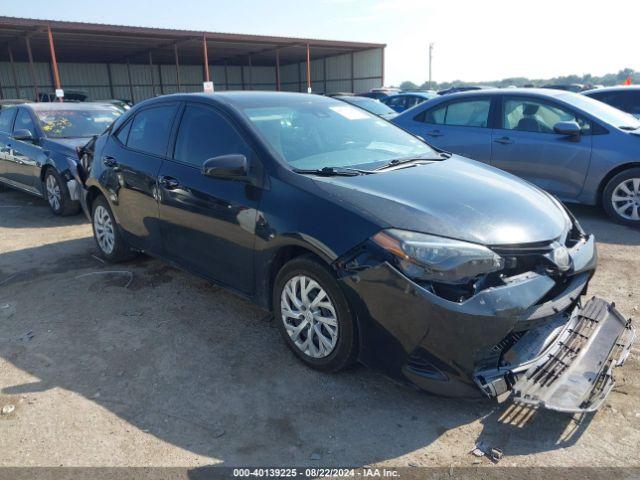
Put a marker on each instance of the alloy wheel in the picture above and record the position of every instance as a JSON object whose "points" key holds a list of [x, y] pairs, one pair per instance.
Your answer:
{"points": [[103, 227], [309, 316], [53, 192], [626, 199]]}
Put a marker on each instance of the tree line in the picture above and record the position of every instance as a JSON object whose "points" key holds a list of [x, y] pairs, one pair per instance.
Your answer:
{"points": [[588, 80]]}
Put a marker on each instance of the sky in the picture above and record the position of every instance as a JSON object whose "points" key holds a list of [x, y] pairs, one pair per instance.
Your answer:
{"points": [[474, 40]]}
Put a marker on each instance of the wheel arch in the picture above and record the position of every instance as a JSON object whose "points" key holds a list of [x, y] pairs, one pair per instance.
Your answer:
{"points": [[275, 260], [612, 173]]}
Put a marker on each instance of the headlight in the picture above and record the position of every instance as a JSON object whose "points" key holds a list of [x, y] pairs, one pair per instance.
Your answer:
{"points": [[430, 258]]}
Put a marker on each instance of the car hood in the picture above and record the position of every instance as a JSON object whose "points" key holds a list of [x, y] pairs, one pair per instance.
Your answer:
{"points": [[66, 146], [456, 198]]}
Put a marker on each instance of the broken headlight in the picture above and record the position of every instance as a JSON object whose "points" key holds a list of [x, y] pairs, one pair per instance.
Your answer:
{"points": [[437, 259]]}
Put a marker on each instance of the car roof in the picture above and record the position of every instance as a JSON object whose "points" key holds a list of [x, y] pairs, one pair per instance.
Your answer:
{"points": [[536, 92], [416, 94], [239, 99], [42, 106], [616, 88]]}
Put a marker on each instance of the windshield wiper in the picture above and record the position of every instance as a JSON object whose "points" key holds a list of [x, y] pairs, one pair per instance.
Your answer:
{"points": [[628, 128], [413, 159], [333, 171]]}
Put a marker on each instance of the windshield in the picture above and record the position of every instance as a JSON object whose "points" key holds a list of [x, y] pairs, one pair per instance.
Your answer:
{"points": [[604, 112], [370, 105], [311, 134], [71, 123]]}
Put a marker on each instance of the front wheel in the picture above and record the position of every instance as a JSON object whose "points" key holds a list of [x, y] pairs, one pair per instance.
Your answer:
{"points": [[107, 234], [313, 315], [57, 194], [621, 197]]}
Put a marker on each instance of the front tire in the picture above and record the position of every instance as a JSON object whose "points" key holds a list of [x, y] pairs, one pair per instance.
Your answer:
{"points": [[57, 194], [313, 315], [107, 234], [621, 197]]}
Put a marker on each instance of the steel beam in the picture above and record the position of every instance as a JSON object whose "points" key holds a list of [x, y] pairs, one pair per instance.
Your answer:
{"points": [[14, 72], [206, 58], [54, 62], [32, 69], [175, 54]]}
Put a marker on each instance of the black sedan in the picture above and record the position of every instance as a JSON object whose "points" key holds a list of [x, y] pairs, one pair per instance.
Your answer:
{"points": [[366, 243], [38, 144]]}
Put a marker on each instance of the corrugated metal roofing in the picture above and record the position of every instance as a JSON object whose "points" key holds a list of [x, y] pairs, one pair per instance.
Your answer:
{"points": [[93, 42]]}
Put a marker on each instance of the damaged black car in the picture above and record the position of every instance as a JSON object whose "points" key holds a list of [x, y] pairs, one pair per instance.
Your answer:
{"points": [[366, 243]]}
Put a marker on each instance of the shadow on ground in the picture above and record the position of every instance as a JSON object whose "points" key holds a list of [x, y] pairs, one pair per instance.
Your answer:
{"points": [[206, 371]]}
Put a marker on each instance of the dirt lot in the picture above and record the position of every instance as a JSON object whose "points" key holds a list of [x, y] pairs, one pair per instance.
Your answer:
{"points": [[158, 367]]}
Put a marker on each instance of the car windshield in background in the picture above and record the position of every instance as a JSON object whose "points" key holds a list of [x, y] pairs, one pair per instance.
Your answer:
{"points": [[315, 135], [370, 105], [601, 110], [60, 123]]}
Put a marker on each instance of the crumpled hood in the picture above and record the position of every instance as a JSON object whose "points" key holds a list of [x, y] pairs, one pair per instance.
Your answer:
{"points": [[66, 146], [456, 198]]}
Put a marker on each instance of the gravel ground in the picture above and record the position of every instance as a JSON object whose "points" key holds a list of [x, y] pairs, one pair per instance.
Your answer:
{"points": [[151, 366]]}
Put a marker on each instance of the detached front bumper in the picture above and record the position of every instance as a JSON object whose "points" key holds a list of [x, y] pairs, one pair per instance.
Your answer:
{"points": [[463, 348], [575, 374]]}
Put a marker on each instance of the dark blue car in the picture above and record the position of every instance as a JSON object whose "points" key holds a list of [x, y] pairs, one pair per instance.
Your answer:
{"points": [[366, 243], [38, 144]]}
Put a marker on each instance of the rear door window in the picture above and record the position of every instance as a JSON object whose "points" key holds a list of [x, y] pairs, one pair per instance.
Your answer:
{"points": [[151, 128], [468, 113], [204, 134]]}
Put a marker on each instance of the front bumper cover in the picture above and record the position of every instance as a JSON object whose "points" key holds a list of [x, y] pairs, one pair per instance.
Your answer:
{"points": [[452, 348], [575, 374]]}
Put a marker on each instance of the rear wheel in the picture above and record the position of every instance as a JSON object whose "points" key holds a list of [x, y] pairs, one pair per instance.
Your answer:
{"points": [[107, 234], [57, 194], [313, 315], [621, 197]]}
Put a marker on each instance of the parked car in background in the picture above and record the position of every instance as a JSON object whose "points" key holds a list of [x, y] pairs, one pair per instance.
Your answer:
{"points": [[371, 105], [625, 98], [69, 96], [9, 102], [365, 242], [462, 88], [123, 105], [38, 144], [571, 145], [380, 93], [570, 87], [406, 100]]}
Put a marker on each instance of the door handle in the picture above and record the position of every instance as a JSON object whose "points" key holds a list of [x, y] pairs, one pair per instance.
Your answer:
{"points": [[435, 133], [109, 161], [168, 183], [503, 140]]}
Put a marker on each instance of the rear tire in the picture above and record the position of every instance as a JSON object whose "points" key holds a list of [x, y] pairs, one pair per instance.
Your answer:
{"points": [[106, 233], [313, 315], [621, 197], [57, 194]]}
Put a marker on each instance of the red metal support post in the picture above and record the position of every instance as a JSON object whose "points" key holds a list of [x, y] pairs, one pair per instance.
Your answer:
{"points": [[54, 62], [175, 54], [130, 82], [206, 57], [278, 70], [153, 75], [14, 72], [308, 69], [32, 69]]}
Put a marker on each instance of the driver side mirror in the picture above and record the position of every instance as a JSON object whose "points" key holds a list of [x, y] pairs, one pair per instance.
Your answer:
{"points": [[229, 167], [23, 135], [571, 129]]}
